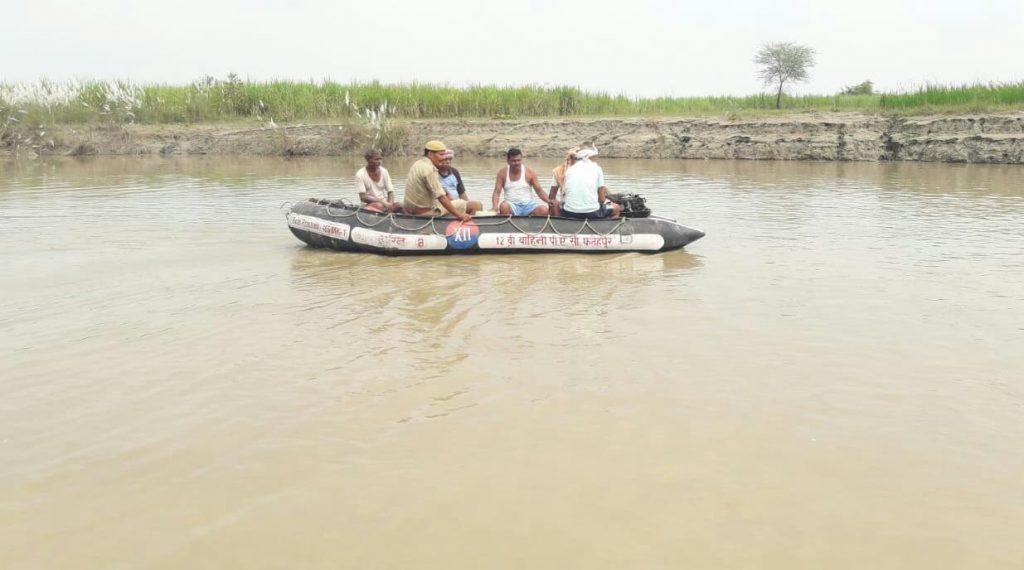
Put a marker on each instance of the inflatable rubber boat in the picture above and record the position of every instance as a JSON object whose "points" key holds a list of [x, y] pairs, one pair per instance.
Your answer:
{"points": [[342, 226]]}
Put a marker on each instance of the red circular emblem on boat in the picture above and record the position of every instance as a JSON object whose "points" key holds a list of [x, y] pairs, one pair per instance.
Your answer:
{"points": [[462, 235]]}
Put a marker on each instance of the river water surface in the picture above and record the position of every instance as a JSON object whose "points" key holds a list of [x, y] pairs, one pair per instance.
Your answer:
{"points": [[832, 378]]}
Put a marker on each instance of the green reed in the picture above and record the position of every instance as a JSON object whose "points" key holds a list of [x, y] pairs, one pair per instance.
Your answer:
{"points": [[232, 99], [969, 97]]}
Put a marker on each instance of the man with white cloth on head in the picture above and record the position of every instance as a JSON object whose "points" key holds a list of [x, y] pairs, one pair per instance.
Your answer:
{"points": [[586, 196]]}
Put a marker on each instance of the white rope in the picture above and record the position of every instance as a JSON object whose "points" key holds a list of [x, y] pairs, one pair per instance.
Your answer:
{"points": [[497, 223], [544, 227], [354, 211], [368, 224], [328, 204], [394, 222], [573, 233], [617, 226]]}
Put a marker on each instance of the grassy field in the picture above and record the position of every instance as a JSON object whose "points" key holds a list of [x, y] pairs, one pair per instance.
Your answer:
{"points": [[40, 104]]}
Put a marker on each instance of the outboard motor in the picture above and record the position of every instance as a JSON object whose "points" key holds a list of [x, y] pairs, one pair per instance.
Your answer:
{"points": [[633, 205]]}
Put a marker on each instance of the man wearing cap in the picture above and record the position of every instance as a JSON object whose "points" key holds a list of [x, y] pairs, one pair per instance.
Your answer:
{"points": [[424, 195], [586, 196], [451, 181]]}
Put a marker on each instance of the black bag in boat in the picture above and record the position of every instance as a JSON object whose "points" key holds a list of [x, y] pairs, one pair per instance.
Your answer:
{"points": [[633, 205]]}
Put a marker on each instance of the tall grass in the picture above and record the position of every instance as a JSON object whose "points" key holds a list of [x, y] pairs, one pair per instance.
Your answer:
{"points": [[232, 99], [967, 97]]}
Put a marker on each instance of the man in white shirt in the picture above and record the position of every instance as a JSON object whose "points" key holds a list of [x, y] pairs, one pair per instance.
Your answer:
{"points": [[586, 196], [373, 184]]}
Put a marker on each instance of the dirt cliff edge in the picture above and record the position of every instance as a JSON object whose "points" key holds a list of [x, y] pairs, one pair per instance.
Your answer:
{"points": [[832, 137]]}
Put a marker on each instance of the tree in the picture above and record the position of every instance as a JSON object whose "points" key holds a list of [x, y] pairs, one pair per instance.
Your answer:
{"points": [[865, 88], [781, 63]]}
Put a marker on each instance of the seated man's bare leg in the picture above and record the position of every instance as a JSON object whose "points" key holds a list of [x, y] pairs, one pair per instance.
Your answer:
{"points": [[505, 209], [541, 210], [376, 207]]}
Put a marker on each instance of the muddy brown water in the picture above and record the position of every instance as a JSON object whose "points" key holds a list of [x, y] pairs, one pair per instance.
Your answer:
{"points": [[832, 378]]}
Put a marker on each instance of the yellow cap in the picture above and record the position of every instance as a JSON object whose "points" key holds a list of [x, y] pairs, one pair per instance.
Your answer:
{"points": [[435, 146]]}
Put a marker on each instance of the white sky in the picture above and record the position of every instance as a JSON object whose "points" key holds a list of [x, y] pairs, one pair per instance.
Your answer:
{"points": [[636, 47]]}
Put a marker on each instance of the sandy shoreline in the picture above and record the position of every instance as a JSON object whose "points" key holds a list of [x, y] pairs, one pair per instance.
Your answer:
{"points": [[833, 137]]}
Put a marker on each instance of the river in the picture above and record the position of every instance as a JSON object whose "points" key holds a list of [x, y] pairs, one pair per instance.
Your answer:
{"points": [[832, 378]]}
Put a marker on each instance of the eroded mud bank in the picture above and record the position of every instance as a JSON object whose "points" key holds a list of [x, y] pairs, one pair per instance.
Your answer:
{"points": [[976, 139]]}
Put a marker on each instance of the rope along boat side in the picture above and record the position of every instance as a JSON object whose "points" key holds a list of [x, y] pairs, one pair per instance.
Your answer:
{"points": [[345, 227]]}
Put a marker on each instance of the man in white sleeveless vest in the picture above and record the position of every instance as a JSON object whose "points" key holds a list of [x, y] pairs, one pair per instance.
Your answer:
{"points": [[523, 195]]}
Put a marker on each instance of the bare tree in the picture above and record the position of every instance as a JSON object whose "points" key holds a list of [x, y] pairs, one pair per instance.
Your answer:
{"points": [[781, 63]]}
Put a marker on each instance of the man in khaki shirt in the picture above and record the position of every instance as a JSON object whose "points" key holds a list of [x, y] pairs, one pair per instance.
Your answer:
{"points": [[424, 195]]}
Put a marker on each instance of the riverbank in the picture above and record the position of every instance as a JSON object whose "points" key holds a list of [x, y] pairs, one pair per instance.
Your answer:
{"points": [[988, 138]]}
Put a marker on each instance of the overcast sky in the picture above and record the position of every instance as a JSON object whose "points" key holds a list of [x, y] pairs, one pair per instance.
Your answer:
{"points": [[636, 47]]}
